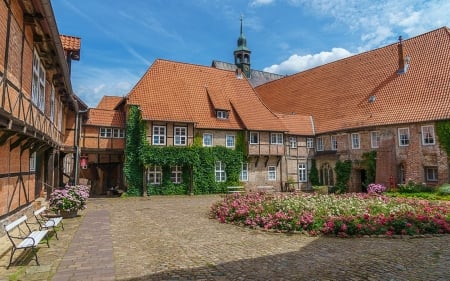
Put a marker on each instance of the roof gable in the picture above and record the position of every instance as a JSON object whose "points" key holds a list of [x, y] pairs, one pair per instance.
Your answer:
{"points": [[107, 118], [109, 102], [181, 92]]}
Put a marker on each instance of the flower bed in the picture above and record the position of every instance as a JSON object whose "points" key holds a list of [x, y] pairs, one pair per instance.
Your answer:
{"points": [[343, 215]]}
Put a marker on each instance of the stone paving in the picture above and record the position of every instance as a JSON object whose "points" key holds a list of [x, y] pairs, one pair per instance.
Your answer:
{"points": [[172, 238]]}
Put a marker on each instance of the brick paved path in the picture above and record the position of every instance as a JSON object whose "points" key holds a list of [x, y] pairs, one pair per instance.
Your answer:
{"points": [[90, 254], [171, 238]]}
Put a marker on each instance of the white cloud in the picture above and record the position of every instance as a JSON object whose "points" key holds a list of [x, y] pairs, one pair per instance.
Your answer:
{"points": [[297, 63], [94, 83], [381, 22], [260, 2]]}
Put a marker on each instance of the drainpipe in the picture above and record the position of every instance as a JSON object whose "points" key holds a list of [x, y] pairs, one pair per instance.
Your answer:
{"points": [[77, 144]]}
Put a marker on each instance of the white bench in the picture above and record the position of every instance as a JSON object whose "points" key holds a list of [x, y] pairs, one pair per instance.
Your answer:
{"points": [[46, 222], [21, 237], [236, 189]]}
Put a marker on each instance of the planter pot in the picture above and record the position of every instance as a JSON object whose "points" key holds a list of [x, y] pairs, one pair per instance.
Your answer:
{"points": [[68, 214]]}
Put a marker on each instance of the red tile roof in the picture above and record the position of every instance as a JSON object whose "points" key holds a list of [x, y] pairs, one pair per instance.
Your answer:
{"points": [[71, 43], [181, 92], [107, 118], [109, 102], [365, 90]]}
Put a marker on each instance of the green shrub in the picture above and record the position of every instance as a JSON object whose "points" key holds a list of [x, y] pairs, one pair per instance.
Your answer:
{"points": [[413, 187], [444, 189]]}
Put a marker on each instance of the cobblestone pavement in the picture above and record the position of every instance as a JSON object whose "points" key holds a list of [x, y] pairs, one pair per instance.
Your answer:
{"points": [[171, 238]]}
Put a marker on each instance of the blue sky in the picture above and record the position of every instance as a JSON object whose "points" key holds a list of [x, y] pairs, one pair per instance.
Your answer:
{"points": [[121, 39]]}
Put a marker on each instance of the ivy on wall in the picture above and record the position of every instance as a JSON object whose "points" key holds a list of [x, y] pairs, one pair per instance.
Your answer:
{"points": [[343, 170], [314, 174], [135, 136], [370, 164], [201, 160], [443, 134]]}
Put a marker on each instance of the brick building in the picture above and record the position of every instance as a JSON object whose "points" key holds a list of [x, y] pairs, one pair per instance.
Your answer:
{"points": [[386, 100], [102, 145], [37, 105]]}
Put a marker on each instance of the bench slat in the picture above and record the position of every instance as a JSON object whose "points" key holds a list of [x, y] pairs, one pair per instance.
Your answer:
{"points": [[15, 223], [36, 236]]}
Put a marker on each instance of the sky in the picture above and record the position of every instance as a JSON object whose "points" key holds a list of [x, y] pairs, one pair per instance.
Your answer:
{"points": [[121, 39]]}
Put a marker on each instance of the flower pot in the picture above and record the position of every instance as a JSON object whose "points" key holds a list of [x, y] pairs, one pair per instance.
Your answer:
{"points": [[68, 214]]}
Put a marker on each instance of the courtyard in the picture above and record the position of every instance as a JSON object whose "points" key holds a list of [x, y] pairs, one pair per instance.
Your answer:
{"points": [[172, 238]]}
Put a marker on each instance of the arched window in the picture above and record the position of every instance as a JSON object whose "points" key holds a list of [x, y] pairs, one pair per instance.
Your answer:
{"points": [[326, 174]]}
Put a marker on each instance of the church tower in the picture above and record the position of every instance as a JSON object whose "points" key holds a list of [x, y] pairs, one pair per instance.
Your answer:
{"points": [[242, 54]]}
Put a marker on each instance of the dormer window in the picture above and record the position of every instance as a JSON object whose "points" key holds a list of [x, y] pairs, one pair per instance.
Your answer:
{"points": [[222, 114]]}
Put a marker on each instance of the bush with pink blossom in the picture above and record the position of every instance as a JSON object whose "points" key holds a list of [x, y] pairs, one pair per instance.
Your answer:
{"points": [[376, 188], [69, 198]]}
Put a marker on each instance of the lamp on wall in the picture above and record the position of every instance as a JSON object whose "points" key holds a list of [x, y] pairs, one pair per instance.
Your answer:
{"points": [[84, 162]]}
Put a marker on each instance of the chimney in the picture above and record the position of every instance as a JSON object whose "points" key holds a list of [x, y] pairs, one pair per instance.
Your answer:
{"points": [[403, 62]]}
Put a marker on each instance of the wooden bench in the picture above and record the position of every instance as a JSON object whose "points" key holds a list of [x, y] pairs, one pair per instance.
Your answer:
{"points": [[236, 189], [48, 222], [21, 237]]}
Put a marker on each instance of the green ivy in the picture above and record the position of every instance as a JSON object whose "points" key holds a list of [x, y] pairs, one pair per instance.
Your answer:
{"points": [[201, 160], [343, 170], [314, 174], [133, 168], [443, 134], [370, 164]]}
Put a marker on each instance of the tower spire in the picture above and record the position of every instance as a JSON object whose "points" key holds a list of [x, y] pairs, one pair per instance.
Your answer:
{"points": [[242, 53]]}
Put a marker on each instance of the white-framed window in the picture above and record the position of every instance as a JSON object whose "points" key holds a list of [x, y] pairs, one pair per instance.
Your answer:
{"points": [[309, 142], [159, 135], [272, 173], [219, 168], [355, 141], [52, 104], [38, 83], [319, 143], [106, 132], [403, 136], [293, 142], [333, 142], [33, 162], [176, 174], [375, 139], [431, 173], [180, 134], [118, 133], [207, 139], [244, 172], [230, 140], [302, 172], [276, 138], [428, 137], [154, 175], [221, 114], [254, 137]]}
